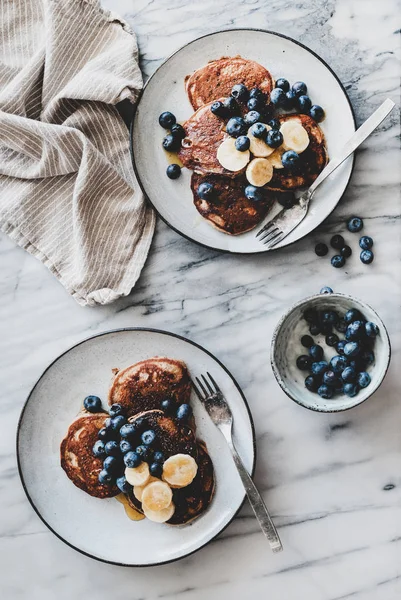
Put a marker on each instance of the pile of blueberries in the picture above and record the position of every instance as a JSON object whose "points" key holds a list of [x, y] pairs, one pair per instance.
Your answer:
{"points": [[346, 372], [122, 444], [354, 225]]}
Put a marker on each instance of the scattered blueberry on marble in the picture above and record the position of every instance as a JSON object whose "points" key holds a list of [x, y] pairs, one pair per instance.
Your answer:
{"points": [[338, 261], [173, 171], [167, 120], [92, 404], [366, 257], [354, 224], [346, 251], [337, 242], [321, 249], [366, 242], [283, 84]]}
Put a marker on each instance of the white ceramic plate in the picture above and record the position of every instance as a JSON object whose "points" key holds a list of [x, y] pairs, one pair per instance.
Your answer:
{"points": [[100, 528], [165, 90]]}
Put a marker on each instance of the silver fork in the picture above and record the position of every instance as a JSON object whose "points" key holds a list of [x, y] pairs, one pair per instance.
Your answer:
{"points": [[288, 219], [212, 398]]}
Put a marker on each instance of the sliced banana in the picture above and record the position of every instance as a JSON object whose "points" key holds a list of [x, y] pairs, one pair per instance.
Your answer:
{"points": [[259, 147], [230, 158], [259, 172], [275, 158], [295, 137], [179, 470], [160, 516], [138, 475], [157, 496], [138, 489]]}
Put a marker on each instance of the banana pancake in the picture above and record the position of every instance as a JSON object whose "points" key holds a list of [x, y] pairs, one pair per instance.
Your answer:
{"points": [[230, 211], [218, 77], [144, 385], [77, 458]]}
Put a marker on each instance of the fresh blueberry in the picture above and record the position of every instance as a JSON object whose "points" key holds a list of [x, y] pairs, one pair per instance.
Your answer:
{"points": [[304, 104], [366, 257], [98, 449], [321, 249], [167, 120], [184, 412], [338, 363], [317, 113], [143, 452], [329, 316], [92, 404], [253, 193], [156, 469], [128, 431], [290, 159], [111, 464], [353, 314], [105, 478], [115, 423], [274, 138], [274, 123], [316, 352], [310, 315], [352, 349], [252, 117], [178, 131], [304, 362], [112, 448], [256, 93], [103, 434], [277, 97], [258, 130], [371, 329], [326, 328], [123, 485], [231, 106], [299, 87], [325, 391], [240, 92], [346, 251], [363, 379], [354, 224], [236, 126], [286, 199], [368, 357], [116, 409], [173, 171], [307, 341], [338, 261], [168, 406], [326, 290], [219, 109], [332, 339], [125, 446], [337, 242], [314, 329], [148, 437], [171, 143], [242, 143], [283, 84], [341, 326], [318, 368], [205, 191], [132, 459], [139, 423], [366, 242], [340, 347], [349, 375], [330, 378], [312, 383], [355, 331], [350, 389], [290, 100], [255, 104], [158, 457]]}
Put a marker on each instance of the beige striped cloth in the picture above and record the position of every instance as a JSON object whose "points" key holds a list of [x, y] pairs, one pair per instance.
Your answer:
{"points": [[68, 194]]}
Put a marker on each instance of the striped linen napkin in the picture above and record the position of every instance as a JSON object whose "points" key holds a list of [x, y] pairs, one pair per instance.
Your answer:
{"points": [[68, 194]]}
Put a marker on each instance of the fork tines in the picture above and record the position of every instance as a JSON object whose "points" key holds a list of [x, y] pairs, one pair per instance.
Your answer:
{"points": [[269, 233], [206, 387]]}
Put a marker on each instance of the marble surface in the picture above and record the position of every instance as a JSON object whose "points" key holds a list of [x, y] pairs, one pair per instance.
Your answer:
{"points": [[332, 482]]}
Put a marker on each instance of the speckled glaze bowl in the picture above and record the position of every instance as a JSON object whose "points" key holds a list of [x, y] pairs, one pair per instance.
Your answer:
{"points": [[286, 346]]}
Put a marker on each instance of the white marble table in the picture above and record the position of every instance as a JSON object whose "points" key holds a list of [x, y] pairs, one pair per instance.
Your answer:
{"points": [[332, 482]]}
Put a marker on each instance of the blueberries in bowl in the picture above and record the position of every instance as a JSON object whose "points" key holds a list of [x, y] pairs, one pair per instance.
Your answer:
{"points": [[325, 392], [306, 341], [363, 379], [312, 383], [340, 347], [329, 316], [318, 368], [93, 404], [354, 224], [350, 389], [349, 374], [355, 331], [242, 143], [316, 352], [240, 92], [167, 120], [353, 315], [371, 329], [330, 378], [304, 362], [274, 138], [338, 363], [236, 126], [252, 117], [352, 349], [283, 84], [332, 339]]}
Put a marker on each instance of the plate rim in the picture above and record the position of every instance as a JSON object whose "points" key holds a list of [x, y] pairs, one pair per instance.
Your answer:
{"points": [[105, 333], [131, 137]]}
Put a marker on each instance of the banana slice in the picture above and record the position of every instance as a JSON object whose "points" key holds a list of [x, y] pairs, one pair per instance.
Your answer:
{"points": [[138, 489], [275, 158], [230, 158], [259, 171], [179, 470], [157, 496], [295, 136], [138, 475], [259, 147], [160, 516]]}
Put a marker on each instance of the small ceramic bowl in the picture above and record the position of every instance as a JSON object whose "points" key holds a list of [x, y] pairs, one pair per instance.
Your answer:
{"points": [[286, 347]]}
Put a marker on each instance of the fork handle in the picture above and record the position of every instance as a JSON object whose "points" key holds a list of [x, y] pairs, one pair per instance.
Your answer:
{"points": [[256, 501]]}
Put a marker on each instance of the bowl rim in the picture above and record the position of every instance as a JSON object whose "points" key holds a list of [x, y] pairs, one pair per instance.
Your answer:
{"points": [[276, 332]]}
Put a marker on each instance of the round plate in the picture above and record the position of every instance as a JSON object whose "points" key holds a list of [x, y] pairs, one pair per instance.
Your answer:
{"points": [[165, 90], [100, 528]]}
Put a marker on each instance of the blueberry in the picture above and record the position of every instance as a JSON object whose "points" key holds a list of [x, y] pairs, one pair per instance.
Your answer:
{"points": [[125, 446], [349, 375], [158, 457], [312, 383], [290, 159], [332, 339], [167, 120], [256, 104], [352, 349], [219, 109], [173, 171], [139, 423], [304, 104], [329, 316], [116, 409], [103, 434], [325, 392], [274, 138], [341, 326], [178, 131], [240, 92], [156, 469], [368, 357], [355, 331], [337, 242], [115, 423], [112, 448], [353, 314], [231, 106], [299, 87], [252, 117], [286, 199], [330, 378], [366, 257], [105, 478], [256, 93], [326, 290], [253, 193], [111, 464], [304, 362], [340, 347], [98, 449], [318, 368], [346, 251], [371, 329], [128, 431], [205, 191], [171, 143], [338, 261], [132, 459], [236, 126], [321, 249], [274, 124], [317, 113], [351, 389], [168, 406], [310, 315], [290, 100], [92, 404], [258, 130], [143, 452], [316, 352], [148, 437], [314, 329], [338, 363], [326, 328], [307, 341], [242, 143], [363, 379], [354, 224], [184, 412], [366, 242], [278, 97], [283, 84], [123, 485]]}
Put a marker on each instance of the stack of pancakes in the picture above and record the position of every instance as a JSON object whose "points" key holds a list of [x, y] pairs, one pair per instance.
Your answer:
{"points": [[140, 389]]}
